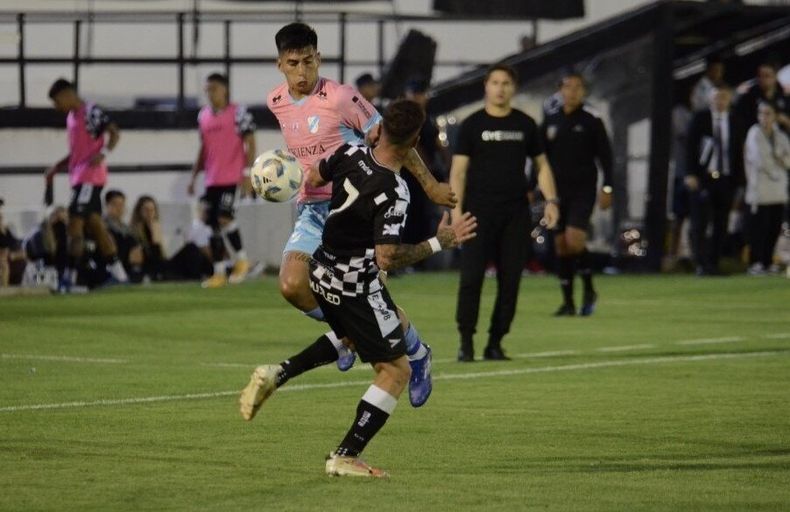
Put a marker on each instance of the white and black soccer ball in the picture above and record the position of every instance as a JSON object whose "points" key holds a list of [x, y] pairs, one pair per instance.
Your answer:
{"points": [[276, 176]]}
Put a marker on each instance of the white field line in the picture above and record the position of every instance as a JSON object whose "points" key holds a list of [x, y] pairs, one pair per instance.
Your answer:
{"points": [[444, 376], [64, 359], [777, 336], [625, 348], [711, 341]]}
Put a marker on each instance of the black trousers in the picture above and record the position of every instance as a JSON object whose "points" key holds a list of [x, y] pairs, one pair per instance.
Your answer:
{"points": [[710, 210], [764, 227], [502, 237]]}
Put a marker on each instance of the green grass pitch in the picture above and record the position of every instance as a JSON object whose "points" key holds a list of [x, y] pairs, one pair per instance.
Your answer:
{"points": [[674, 396]]}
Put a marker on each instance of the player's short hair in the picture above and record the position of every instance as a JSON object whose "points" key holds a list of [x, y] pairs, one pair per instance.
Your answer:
{"points": [[112, 194], [402, 121], [573, 74], [501, 66], [219, 78], [295, 36], [60, 85], [767, 104]]}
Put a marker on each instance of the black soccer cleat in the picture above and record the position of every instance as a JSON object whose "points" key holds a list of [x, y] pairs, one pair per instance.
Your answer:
{"points": [[466, 355], [495, 354], [588, 308], [566, 310]]}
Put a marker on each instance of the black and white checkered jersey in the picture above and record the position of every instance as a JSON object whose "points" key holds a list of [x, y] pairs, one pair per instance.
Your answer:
{"points": [[368, 207]]}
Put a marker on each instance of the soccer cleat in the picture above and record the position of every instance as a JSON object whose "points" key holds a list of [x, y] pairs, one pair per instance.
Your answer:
{"points": [[352, 466], [240, 270], [566, 310], [262, 384], [588, 307], [215, 281], [466, 355], [420, 383], [345, 359], [494, 354]]}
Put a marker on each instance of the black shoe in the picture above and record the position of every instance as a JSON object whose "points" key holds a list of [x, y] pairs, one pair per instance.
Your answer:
{"points": [[466, 355], [566, 310], [588, 307], [494, 354]]}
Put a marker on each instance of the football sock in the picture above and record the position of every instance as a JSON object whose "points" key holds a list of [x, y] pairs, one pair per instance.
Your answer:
{"points": [[231, 231], [566, 273], [217, 248], [219, 268], [321, 352], [585, 271], [373, 411], [414, 346], [315, 314]]}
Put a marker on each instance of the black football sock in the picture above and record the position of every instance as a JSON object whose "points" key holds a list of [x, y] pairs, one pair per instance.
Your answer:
{"points": [[321, 352], [217, 247], [373, 411], [585, 271], [234, 238], [566, 273]]}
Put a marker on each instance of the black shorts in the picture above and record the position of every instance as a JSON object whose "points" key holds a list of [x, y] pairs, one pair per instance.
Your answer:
{"points": [[369, 320], [85, 200], [221, 201], [575, 211]]}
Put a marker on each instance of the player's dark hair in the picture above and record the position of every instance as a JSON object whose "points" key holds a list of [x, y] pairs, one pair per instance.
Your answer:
{"points": [[402, 121], [219, 78], [767, 104], [501, 66], [112, 194], [770, 63], [60, 85], [295, 36], [573, 74]]}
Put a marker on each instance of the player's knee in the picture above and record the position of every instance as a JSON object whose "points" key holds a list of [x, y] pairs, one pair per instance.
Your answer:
{"points": [[294, 288]]}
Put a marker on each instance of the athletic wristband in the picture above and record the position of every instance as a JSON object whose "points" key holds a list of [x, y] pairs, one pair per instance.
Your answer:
{"points": [[435, 245]]}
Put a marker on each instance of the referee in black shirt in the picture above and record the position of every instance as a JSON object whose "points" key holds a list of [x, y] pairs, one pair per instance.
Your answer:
{"points": [[488, 176], [575, 138]]}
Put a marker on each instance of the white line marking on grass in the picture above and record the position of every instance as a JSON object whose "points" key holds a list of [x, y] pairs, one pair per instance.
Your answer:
{"points": [[711, 341], [777, 336], [554, 353], [64, 359], [625, 348], [443, 376]]}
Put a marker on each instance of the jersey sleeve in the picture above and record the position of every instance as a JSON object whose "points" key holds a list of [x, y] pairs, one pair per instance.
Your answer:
{"points": [[328, 166], [96, 121], [464, 144], [389, 218], [244, 122], [356, 112], [534, 140]]}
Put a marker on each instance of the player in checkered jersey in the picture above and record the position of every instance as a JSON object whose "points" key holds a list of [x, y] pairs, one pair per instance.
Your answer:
{"points": [[362, 236]]}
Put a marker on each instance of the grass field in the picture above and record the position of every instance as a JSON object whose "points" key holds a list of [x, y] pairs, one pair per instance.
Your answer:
{"points": [[674, 396]]}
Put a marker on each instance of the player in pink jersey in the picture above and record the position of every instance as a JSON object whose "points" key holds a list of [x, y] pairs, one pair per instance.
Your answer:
{"points": [[86, 126], [317, 116], [227, 148]]}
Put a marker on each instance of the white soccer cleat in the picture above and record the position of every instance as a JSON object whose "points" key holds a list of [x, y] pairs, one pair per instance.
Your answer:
{"points": [[352, 466], [262, 384]]}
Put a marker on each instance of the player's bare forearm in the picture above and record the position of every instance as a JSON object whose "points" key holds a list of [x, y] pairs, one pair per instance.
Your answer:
{"points": [[114, 136], [460, 164], [439, 193], [252, 150], [393, 257], [546, 178]]}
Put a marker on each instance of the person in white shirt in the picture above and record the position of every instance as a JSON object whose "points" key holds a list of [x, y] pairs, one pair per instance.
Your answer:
{"points": [[766, 161]]}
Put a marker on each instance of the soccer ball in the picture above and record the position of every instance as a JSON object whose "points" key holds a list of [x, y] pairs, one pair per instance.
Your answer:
{"points": [[276, 176]]}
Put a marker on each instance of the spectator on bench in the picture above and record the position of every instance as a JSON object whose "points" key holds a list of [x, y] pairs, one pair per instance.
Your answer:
{"points": [[130, 251], [12, 257], [46, 247], [148, 231]]}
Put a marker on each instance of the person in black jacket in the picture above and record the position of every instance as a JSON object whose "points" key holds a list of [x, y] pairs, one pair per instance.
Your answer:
{"points": [[575, 138], [714, 172]]}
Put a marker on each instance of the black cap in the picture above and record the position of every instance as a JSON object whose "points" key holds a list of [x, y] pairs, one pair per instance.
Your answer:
{"points": [[365, 79]]}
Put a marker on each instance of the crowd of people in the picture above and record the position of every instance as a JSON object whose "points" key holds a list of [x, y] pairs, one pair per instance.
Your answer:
{"points": [[731, 160]]}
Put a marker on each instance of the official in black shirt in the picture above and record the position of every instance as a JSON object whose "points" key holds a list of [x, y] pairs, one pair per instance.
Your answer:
{"points": [[488, 175], [575, 138]]}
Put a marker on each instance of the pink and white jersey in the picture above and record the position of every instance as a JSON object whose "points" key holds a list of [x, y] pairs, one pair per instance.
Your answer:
{"points": [[222, 134], [316, 125], [85, 128]]}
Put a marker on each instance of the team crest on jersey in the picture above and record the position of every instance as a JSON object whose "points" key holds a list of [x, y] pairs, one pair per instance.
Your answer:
{"points": [[312, 123], [551, 131]]}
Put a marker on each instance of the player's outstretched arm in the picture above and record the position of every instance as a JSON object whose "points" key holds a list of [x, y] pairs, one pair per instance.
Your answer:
{"points": [[551, 212], [196, 168], [114, 135], [448, 236], [313, 177], [50, 172], [458, 169], [439, 193]]}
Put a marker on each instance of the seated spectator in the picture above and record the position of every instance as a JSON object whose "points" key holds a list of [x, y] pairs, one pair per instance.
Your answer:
{"points": [[12, 257], [767, 161], [148, 231], [130, 252], [46, 247], [193, 260]]}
